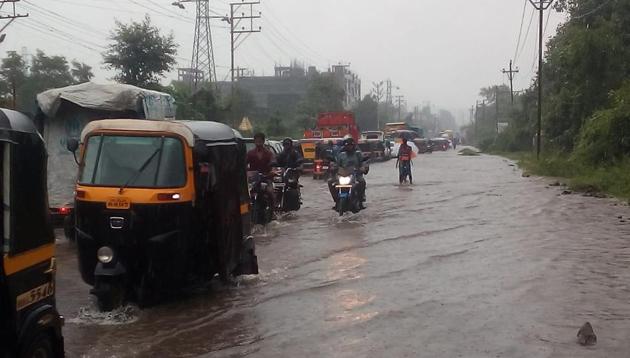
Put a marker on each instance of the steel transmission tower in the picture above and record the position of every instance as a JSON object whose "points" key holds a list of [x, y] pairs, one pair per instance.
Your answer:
{"points": [[202, 68], [203, 53]]}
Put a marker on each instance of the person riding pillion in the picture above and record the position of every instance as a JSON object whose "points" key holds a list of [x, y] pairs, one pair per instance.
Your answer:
{"points": [[289, 157], [350, 157]]}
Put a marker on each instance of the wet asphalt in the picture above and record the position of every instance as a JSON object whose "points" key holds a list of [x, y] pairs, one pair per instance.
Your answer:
{"points": [[472, 260]]}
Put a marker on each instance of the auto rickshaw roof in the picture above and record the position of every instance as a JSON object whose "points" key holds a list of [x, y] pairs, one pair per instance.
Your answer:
{"points": [[206, 131], [129, 125], [14, 121], [212, 131]]}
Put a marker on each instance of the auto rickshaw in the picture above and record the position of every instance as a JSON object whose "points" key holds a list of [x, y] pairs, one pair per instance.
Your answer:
{"points": [[160, 205], [30, 325], [309, 153]]}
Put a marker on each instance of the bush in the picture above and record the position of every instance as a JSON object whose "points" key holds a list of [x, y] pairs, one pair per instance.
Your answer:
{"points": [[605, 137]]}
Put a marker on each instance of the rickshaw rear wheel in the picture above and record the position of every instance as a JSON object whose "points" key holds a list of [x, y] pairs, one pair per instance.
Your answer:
{"points": [[40, 347]]}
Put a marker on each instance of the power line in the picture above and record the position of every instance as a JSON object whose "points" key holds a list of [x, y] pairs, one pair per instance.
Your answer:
{"points": [[520, 32], [82, 27], [298, 41], [592, 11], [531, 20]]}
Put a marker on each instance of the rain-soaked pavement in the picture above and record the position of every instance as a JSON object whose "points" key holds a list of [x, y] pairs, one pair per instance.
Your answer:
{"points": [[473, 260]]}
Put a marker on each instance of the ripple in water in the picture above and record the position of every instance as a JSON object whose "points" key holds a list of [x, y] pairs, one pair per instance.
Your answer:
{"points": [[122, 315]]}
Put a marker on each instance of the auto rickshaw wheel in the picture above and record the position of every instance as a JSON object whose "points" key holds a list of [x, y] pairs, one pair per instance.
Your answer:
{"points": [[40, 347], [110, 295], [68, 228], [144, 293]]}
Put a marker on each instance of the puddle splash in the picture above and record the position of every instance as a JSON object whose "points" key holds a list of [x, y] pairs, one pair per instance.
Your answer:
{"points": [[92, 316]]}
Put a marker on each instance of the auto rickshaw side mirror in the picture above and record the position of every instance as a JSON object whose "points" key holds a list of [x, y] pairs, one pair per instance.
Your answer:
{"points": [[73, 145]]}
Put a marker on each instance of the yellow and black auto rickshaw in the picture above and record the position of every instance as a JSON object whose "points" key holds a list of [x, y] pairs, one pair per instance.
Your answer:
{"points": [[30, 325], [160, 205]]}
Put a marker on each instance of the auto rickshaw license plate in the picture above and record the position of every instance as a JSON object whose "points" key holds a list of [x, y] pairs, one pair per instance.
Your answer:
{"points": [[118, 203]]}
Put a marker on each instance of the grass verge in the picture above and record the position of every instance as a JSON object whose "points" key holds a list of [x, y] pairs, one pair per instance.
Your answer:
{"points": [[612, 179]]}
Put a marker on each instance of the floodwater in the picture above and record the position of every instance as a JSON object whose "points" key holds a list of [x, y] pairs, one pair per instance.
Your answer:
{"points": [[473, 260]]}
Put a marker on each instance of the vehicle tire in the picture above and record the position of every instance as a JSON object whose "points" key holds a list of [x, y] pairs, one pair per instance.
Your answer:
{"points": [[111, 294], [341, 205], [40, 347], [146, 296], [68, 228], [292, 200]]}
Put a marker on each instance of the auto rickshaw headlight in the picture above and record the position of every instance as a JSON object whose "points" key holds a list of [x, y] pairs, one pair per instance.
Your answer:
{"points": [[105, 254]]}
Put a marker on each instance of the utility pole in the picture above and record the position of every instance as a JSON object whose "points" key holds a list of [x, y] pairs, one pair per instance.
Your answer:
{"points": [[541, 6], [496, 101], [388, 98], [11, 16], [399, 99], [12, 13], [236, 32], [377, 93], [510, 74], [476, 121]]}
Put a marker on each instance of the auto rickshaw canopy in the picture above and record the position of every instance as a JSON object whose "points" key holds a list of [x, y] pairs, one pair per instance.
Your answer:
{"points": [[211, 133]]}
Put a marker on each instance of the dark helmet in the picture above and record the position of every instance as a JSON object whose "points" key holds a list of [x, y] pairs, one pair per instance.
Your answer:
{"points": [[348, 140], [287, 142]]}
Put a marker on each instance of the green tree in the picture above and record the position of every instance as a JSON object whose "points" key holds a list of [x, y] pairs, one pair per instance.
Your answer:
{"points": [[50, 71], [276, 125], [366, 112], [13, 74], [81, 72], [198, 106], [324, 94], [240, 103], [139, 53]]}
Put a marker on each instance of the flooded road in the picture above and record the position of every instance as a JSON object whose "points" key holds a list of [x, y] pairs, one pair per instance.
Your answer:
{"points": [[473, 260]]}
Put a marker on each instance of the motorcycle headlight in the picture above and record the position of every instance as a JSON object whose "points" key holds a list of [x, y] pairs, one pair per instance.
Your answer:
{"points": [[105, 254], [345, 180]]}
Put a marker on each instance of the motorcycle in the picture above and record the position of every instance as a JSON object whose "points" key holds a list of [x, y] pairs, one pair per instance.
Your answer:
{"points": [[286, 187], [262, 212], [349, 198]]}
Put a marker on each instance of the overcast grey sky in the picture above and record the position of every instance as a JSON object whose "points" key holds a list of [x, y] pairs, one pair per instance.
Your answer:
{"points": [[436, 51]]}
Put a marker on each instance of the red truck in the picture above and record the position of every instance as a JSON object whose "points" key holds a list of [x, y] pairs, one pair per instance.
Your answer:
{"points": [[329, 126], [334, 125]]}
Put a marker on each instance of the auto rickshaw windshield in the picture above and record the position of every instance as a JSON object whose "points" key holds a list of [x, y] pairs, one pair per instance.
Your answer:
{"points": [[133, 161]]}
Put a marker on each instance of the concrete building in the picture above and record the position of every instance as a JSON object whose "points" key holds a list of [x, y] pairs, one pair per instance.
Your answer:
{"points": [[289, 85], [350, 82]]}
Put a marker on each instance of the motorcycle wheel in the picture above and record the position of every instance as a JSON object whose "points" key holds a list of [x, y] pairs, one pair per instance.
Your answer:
{"points": [[292, 200], [341, 205]]}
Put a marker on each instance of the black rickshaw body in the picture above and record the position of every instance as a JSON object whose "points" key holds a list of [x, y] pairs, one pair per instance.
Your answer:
{"points": [[185, 220], [29, 321]]}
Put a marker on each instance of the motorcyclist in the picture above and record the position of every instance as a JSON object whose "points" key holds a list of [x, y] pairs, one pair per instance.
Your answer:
{"points": [[289, 157], [350, 157], [405, 154], [259, 160]]}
